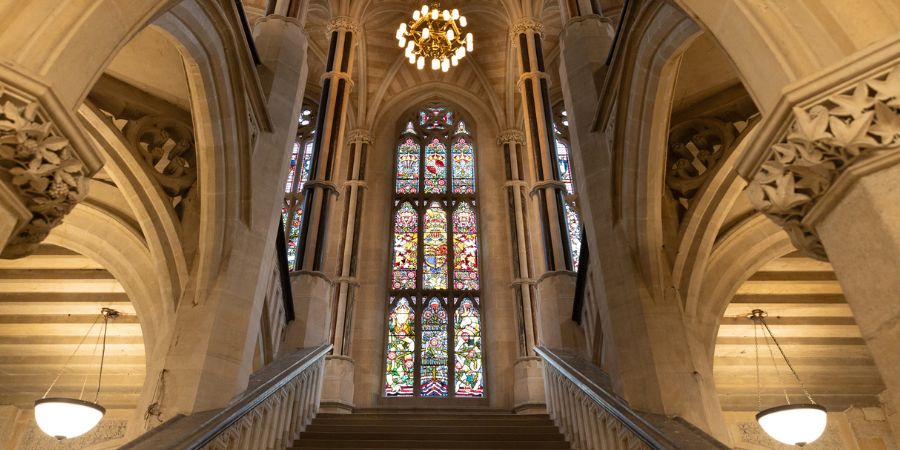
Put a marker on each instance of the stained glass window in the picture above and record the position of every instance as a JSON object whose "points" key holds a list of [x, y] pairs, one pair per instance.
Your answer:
{"points": [[401, 348], [435, 167], [434, 347], [292, 210], [408, 166], [406, 245], [463, 166], [573, 221], [467, 336]]}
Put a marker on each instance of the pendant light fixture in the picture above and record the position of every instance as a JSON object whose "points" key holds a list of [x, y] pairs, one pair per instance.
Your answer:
{"points": [[791, 424], [65, 418], [435, 37]]}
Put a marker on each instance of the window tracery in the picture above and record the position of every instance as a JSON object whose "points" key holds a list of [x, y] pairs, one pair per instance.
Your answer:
{"points": [[301, 163]]}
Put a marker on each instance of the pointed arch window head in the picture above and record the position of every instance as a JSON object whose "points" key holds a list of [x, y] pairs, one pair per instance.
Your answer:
{"points": [[434, 346]]}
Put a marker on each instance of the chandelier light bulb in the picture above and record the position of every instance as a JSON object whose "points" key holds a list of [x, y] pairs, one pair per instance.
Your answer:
{"points": [[417, 15], [470, 44], [412, 59], [463, 22], [793, 424], [426, 33], [435, 64], [445, 65], [455, 14], [402, 42], [434, 14], [420, 63], [446, 15], [403, 27], [450, 35], [65, 418], [454, 60], [424, 9]]}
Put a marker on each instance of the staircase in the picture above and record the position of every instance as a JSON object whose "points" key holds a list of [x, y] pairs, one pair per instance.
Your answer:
{"points": [[427, 430]]}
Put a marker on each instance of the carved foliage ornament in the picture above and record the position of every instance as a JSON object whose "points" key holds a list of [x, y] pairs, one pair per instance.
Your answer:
{"points": [[821, 143], [43, 168]]}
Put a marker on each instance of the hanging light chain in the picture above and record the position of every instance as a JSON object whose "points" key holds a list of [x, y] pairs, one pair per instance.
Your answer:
{"points": [[759, 316], [66, 364], [788, 362], [107, 314]]}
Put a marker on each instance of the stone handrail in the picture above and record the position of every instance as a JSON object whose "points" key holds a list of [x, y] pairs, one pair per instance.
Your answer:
{"points": [[280, 401], [580, 401]]}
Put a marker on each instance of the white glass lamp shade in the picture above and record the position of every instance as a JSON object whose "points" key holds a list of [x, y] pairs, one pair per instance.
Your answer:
{"points": [[793, 424], [65, 418]]}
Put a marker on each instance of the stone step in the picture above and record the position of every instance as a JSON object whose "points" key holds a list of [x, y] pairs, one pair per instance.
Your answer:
{"points": [[442, 436], [431, 430], [546, 427], [398, 444]]}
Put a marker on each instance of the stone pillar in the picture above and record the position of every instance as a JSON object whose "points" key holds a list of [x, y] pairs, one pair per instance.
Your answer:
{"points": [[529, 379], [336, 86], [45, 162], [557, 280], [584, 44], [832, 180], [337, 394]]}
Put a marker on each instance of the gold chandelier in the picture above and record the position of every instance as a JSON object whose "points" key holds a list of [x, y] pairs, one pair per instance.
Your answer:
{"points": [[435, 35]]}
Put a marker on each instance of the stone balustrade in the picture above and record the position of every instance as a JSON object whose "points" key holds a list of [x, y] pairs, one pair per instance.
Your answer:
{"points": [[591, 418], [280, 401]]}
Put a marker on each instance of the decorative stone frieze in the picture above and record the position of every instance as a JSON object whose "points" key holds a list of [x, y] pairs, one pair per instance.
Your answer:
{"points": [[43, 168], [825, 139], [695, 147]]}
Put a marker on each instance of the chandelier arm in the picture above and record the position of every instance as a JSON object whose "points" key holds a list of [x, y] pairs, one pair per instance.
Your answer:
{"points": [[790, 366], [66, 364]]}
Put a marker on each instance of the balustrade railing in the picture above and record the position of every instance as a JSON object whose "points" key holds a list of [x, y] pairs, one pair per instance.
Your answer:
{"points": [[581, 404], [280, 401]]}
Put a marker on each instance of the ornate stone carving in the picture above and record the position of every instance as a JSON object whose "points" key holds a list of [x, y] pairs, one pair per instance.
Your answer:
{"points": [[43, 168], [167, 145], [343, 23], [511, 136], [695, 147], [360, 136], [524, 25], [824, 140]]}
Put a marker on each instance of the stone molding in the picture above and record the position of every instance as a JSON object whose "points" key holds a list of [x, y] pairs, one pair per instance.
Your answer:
{"points": [[548, 184], [360, 136], [343, 23], [823, 140], [339, 75], [536, 76], [525, 25], [511, 136]]}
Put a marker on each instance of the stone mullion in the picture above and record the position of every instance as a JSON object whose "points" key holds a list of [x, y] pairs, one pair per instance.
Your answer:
{"points": [[360, 141], [330, 128], [512, 142], [534, 88]]}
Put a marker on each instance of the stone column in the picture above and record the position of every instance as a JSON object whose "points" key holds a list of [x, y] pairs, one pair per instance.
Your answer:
{"points": [[336, 86], [832, 180], [337, 395], [529, 381], [45, 162], [556, 284]]}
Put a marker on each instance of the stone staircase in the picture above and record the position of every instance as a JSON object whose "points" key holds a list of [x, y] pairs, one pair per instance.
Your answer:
{"points": [[431, 430]]}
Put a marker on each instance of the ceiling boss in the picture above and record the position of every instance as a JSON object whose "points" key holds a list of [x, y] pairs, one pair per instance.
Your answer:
{"points": [[435, 36]]}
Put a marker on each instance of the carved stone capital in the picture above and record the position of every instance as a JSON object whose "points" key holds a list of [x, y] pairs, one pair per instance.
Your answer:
{"points": [[343, 23], [826, 138], [511, 136], [41, 167], [360, 136], [525, 25]]}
